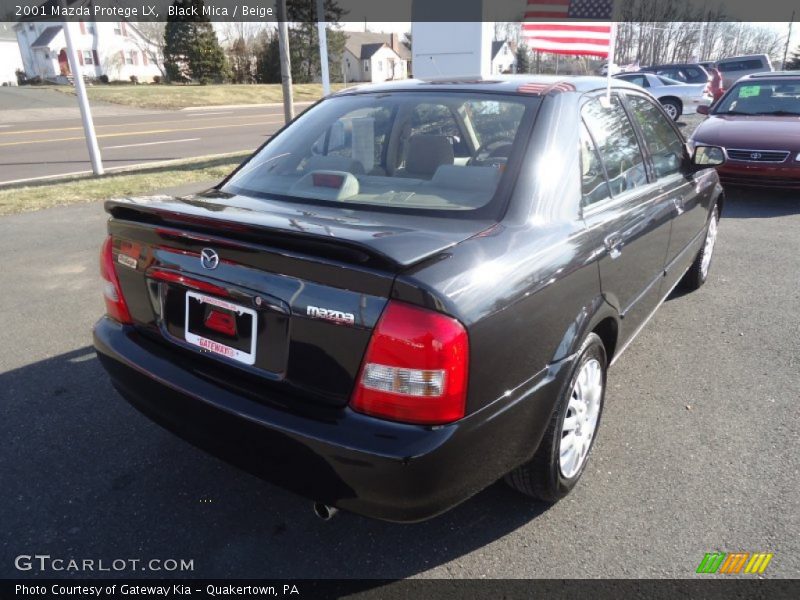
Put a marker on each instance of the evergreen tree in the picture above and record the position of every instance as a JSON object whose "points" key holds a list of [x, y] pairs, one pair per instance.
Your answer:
{"points": [[793, 63], [523, 59], [268, 60], [191, 48], [304, 41]]}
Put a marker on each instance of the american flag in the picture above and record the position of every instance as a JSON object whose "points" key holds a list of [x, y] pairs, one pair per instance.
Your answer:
{"points": [[586, 34]]}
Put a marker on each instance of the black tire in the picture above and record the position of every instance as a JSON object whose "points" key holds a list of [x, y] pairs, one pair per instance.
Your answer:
{"points": [[695, 277], [673, 108], [541, 477]]}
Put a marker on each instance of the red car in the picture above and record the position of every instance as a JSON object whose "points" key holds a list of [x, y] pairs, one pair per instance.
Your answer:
{"points": [[757, 122]]}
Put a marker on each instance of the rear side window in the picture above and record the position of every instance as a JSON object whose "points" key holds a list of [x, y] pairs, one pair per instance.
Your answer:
{"points": [[616, 142], [694, 73], [664, 145], [672, 74], [594, 185], [741, 65], [637, 79]]}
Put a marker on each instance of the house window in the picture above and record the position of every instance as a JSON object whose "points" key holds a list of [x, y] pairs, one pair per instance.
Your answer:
{"points": [[117, 28], [88, 59], [366, 65], [130, 57]]}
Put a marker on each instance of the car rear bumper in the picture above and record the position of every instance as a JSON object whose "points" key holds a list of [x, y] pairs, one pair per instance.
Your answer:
{"points": [[782, 176], [369, 466]]}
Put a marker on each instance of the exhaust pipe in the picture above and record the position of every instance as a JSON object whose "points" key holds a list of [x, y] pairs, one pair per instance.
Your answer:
{"points": [[325, 512]]}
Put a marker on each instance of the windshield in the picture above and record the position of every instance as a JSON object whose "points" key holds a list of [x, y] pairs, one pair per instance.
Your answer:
{"points": [[761, 98], [399, 150]]}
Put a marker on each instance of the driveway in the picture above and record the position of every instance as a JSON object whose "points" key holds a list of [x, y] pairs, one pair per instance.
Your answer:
{"points": [[698, 450]]}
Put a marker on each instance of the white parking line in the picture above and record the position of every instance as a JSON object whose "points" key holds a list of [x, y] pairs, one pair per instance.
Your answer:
{"points": [[150, 143], [228, 112]]}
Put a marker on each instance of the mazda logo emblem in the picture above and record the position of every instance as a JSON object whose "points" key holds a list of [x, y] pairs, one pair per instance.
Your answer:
{"points": [[209, 259], [755, 155]]}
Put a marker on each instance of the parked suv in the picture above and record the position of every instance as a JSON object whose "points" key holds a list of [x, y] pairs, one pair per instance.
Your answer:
{"points": [[736, 67], [412, 290], [685, 72]]}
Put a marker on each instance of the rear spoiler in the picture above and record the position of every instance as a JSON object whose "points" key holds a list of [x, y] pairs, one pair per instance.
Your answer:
{"points": [[183, 220]]}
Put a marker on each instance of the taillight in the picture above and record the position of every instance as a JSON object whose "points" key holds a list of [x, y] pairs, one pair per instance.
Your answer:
{"points": [[415, 368], [116, 308]]}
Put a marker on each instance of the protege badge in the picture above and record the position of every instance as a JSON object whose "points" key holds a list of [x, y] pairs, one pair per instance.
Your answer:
{"points": [[336, 316]]}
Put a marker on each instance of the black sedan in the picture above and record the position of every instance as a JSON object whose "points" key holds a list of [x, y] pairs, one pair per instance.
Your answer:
{"points": [[412, 290]]}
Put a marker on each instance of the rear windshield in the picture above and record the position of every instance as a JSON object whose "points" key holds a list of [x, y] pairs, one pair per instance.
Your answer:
{"points": [[402, 150], [762, 98]]}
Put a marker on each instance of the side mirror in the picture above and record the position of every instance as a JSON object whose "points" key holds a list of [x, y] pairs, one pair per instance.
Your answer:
{"points": [[708, 156], [703, 109]]}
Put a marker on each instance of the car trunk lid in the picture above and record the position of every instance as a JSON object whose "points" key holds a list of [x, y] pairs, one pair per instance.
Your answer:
{"points": [[276, 304]]}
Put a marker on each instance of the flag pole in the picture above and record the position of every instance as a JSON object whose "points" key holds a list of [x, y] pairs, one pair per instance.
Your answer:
{"points": [[611, 47], [323, 49]]}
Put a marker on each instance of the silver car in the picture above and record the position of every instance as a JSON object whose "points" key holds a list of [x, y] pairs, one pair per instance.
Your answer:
{"points": [[676, 97]]}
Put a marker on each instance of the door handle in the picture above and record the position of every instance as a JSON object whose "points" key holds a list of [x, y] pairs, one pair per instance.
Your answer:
{"points": [[678, 202], [613, 243]]}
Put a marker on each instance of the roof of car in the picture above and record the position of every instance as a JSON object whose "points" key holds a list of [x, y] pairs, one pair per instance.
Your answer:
{"points": [[774, 75], [508, 84], [673, 65]]}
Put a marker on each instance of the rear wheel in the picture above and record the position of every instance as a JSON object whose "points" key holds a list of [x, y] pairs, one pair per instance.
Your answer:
{"points": [[672, 107], [561, 457], [698, 273]]}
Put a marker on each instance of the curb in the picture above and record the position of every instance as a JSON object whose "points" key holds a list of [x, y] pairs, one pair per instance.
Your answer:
{"points": [[121, 169]]}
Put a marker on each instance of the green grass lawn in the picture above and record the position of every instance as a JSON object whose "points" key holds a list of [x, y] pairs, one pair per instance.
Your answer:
{"points": [[183, 96], [24, 198]]}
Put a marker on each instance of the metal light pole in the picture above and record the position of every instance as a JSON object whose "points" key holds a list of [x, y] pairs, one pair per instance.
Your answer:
{"points": [[323, 48], [83, 101], [286, 63], [788, 38]]}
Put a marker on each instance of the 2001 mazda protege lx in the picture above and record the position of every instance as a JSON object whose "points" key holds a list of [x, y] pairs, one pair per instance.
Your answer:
{"points": [[412, 290]]}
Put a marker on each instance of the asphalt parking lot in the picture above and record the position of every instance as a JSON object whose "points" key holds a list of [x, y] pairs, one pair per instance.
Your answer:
{"points": [[698, 449]]}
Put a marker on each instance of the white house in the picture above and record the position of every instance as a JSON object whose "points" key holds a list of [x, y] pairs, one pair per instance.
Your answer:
{"points": [[117, 50], [374, 57], [504, 59], [10, 60]]}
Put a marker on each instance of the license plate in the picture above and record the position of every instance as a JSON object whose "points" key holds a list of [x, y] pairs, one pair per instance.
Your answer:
{"points": [[238, 345]]}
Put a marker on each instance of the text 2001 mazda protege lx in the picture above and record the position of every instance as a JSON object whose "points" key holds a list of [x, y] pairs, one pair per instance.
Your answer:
{"points": [[412, 290]]}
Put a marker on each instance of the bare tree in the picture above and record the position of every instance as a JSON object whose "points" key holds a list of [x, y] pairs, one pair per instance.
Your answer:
{"points": [[151, 41]]}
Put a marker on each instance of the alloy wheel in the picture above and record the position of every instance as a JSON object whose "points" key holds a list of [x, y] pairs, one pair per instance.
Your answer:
{"points": [[580, 422], [708, 249]]}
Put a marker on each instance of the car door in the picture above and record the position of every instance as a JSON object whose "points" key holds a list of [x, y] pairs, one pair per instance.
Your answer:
{"points": [[626, 210], [668, 157]]}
